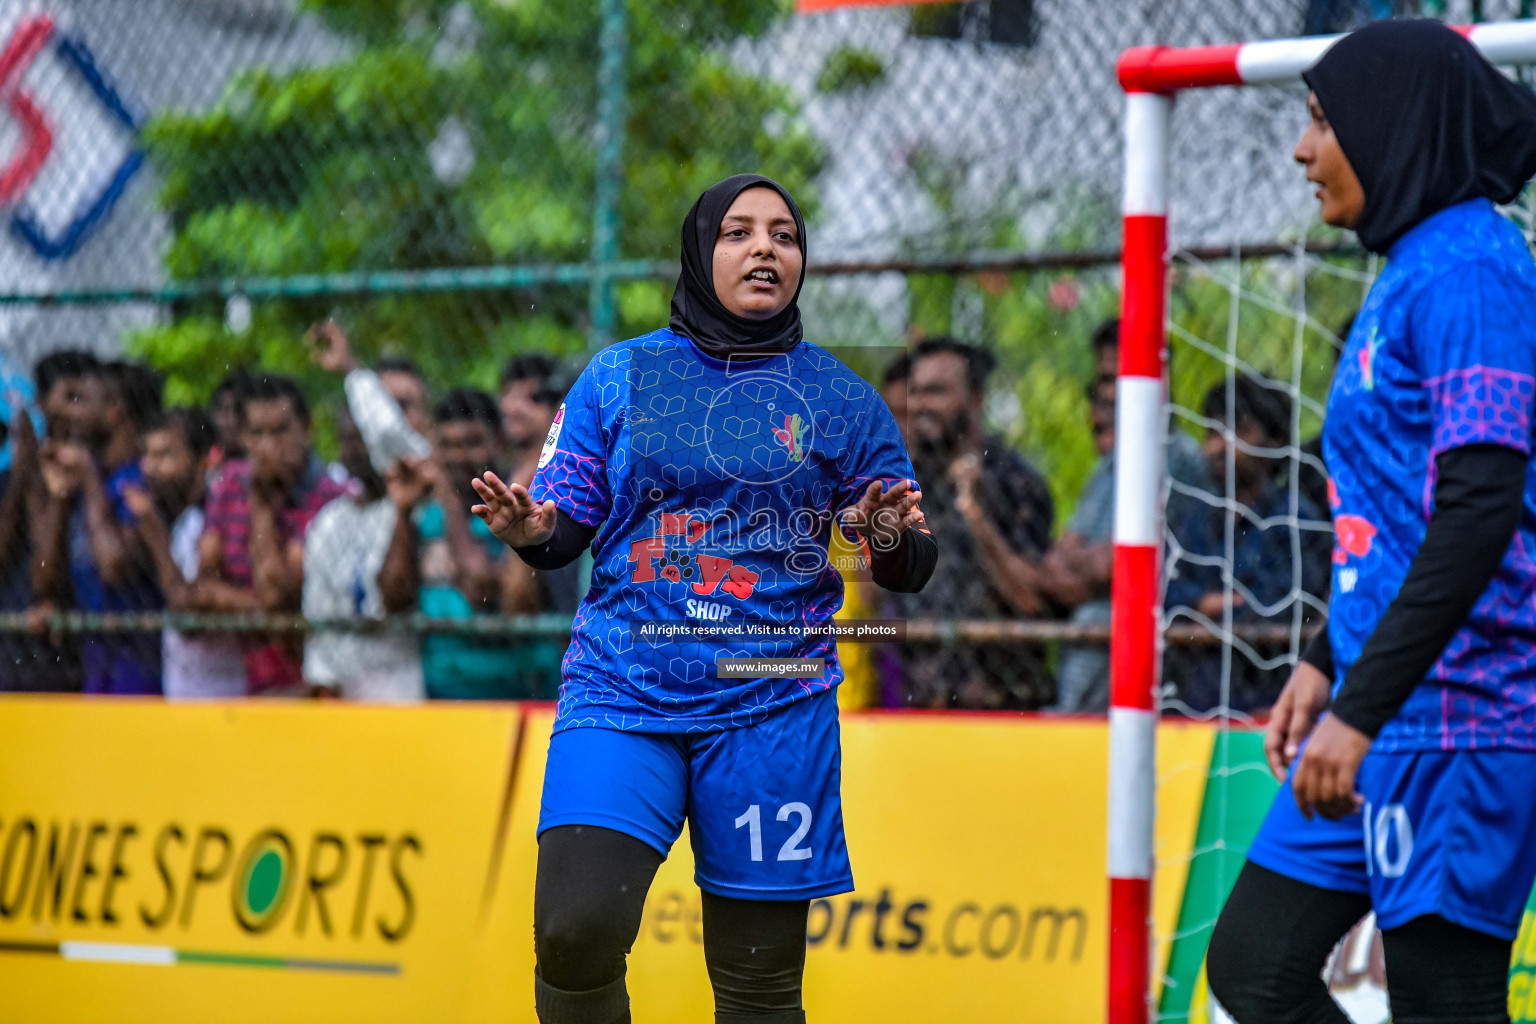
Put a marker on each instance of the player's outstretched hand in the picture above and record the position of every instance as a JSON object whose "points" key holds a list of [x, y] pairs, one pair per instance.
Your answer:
{"points": [[882, 516], [1325, 777], [512, 514], [1294, 716]]}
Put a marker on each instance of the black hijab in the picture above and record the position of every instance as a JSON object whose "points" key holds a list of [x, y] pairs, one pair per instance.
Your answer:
{"points": [[1425, 122], [697, 312]]}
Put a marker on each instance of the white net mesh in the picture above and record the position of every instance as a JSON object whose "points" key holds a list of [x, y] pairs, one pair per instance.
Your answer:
{"points": [[1254, 339], [1253, 344]]}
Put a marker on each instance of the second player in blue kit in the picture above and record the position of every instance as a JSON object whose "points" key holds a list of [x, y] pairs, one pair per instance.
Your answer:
{"points": [[1409, 729], [707, 465]]}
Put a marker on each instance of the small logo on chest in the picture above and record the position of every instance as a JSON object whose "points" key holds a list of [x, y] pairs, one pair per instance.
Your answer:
{"points": [[792, 435], [1368, 360]]}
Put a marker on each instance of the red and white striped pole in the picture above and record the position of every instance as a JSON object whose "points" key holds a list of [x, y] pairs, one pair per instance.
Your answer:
{"points": [[1138, 546], [1151, 76], [1166, 70]]}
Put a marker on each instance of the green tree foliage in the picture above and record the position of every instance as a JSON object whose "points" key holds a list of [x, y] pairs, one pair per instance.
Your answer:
{"points": [[850, 68], [1039, 325], [331, 168], [1249, 320]]}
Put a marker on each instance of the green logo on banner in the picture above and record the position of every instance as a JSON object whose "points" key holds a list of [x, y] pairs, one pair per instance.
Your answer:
{"points": [[264, 882], [1522, 969], [264, 872], [1238, 792]]}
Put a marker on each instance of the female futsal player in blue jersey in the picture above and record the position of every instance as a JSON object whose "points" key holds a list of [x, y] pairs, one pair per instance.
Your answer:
{"points": [[706, 464], [1412, 787]]}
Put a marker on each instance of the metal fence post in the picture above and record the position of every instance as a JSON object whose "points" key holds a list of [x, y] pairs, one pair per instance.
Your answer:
{"points": [[611, 86]]}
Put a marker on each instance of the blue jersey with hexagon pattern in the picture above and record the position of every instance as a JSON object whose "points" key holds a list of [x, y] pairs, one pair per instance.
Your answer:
{"points": [[1442, 354], [714, 487]]}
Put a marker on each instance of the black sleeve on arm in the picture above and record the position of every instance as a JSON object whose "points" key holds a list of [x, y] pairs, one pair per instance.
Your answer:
{"points": [[1479, 498], [1319, 652], [570, 539], [907, 567]]}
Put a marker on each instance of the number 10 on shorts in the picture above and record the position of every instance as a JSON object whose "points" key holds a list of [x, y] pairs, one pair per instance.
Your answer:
{"points": [[791, 850]]}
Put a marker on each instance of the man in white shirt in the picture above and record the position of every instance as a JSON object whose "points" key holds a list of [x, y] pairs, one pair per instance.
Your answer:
{"points": [[389, 404], [176, 462], [358, 562]]}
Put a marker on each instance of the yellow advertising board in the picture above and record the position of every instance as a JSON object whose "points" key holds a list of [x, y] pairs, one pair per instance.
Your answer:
{"points": [[270, 861], [978, 848], [245, 861]]}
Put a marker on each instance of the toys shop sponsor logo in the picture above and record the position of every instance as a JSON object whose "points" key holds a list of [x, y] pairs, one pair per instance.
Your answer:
{"points": [[701, 549], [709, 611], [654, 558]]}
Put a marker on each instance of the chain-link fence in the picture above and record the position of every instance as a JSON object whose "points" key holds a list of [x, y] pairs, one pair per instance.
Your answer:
{"points": [[191, 184]]}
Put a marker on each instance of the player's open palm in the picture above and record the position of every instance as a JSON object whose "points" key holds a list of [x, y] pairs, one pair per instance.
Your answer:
{"points": [[882, 515], [511, 512]]}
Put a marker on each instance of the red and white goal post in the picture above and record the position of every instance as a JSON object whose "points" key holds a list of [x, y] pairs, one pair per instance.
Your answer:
{"points": [[1152, 76]]}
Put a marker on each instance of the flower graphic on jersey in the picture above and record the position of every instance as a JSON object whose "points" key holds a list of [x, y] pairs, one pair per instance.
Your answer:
{"points": [[791, 435], [1353, 536], [1368, 360]]}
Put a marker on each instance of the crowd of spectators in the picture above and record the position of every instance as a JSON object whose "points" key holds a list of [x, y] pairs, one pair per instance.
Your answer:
{"points": [[1003, 559], [111, 503]]}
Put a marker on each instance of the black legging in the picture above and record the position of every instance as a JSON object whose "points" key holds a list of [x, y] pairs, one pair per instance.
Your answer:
{"points": [[587, 906], [1274, 935]]}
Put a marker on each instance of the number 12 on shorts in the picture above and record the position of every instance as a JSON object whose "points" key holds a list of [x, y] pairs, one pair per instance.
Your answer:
{"points": [[791, 850]]}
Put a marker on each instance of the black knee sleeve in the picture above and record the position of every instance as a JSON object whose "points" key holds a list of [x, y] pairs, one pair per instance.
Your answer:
{"points": [[587, 905], [1439, 973], [755, 952], [606, 1005], [1269, 946]]}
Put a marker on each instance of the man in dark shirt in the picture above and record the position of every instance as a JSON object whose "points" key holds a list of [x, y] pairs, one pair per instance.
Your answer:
{"points": [[1078, 571], [33, 661], [62, 383], [89, 556], [1278, 561], [991, 513]]}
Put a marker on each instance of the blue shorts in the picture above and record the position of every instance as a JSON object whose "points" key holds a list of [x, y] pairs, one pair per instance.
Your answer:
{"points": [[763, 802], [1448, 832]]}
